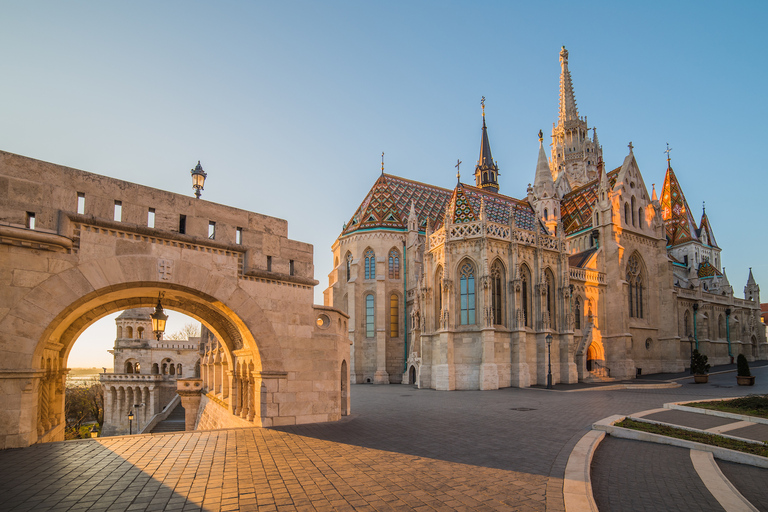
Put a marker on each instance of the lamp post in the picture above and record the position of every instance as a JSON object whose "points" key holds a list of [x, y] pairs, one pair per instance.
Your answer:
{"points": [[549, 361], [198, 178], [94, 432], [130, 422], [158, 320], [728, 331], [690, 344]]}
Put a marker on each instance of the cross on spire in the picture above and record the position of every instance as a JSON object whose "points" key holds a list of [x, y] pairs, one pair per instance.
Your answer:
{"points": [[667, 152], [382, 162], [630, 146], [482, 103], [458, 173]]}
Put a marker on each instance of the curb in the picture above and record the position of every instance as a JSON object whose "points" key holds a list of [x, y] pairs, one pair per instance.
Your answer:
{"points": [[680, 406], [577, 484], [607, 425]]}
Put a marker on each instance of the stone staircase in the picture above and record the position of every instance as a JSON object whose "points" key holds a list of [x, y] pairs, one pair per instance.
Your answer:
{"points": [[175, 422]]}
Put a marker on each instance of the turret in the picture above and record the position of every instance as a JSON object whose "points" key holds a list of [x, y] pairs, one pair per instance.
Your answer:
{"points": [[486, 170], [752, 290], [546, 202]]}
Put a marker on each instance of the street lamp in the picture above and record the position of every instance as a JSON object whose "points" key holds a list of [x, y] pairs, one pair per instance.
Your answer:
{"points": [[198, 178], [130, 422], [158, 320], [94, 432], [549, 361], [690, 345]]}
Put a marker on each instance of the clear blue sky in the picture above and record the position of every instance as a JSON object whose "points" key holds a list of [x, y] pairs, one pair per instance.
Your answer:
{"points": [[289, 104]]}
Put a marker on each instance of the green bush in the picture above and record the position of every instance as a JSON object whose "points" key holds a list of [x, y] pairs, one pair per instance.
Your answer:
{"points": [[742, 367], [699, 364]]}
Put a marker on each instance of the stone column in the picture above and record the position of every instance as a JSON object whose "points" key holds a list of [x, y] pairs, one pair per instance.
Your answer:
{"points": [[189, 391]]}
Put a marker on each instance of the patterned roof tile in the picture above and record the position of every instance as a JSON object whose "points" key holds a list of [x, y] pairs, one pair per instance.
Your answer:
{"points": [[577, 205]]}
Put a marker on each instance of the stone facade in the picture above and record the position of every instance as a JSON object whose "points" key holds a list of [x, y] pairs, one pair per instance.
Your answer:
{"points": [[472, 289], [75, 246], [138, 354]]}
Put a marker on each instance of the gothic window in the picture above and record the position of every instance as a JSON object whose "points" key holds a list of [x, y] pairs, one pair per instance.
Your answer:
{"points": [[551, 309], [394, 264], [349, 266], [497, 293], [640, 218], [597, 219], [370, 264], [635, 289], [467, 291], [178, 369], [546, 214], [577, 314], [369, 327], [721, 334], [525, 277], [140, 333], [438, 296], [394, 328], [687, 324], [129, 332], [626, 213], [633, 210]]}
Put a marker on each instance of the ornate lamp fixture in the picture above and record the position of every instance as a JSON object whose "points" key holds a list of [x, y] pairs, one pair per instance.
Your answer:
{"points": [[198, 178], [158, 319], [549, 361], [130, 422]]}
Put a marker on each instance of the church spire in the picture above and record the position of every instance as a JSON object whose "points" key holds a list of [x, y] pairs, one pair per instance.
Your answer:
{"points": [[568, 110], [543, 186], [486, 171]]}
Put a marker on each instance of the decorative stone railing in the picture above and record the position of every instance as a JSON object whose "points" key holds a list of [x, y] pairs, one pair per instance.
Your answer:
{"points": [[587, 276], [120, 378], [469, 230]]}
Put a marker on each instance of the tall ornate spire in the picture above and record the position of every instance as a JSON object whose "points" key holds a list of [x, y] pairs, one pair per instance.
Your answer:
{"points": [[568, 110], [574, 153], [543, 186], [486, 171]]}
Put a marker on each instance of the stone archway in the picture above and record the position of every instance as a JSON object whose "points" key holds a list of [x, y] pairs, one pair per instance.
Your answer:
{"points": [[71, 269]]}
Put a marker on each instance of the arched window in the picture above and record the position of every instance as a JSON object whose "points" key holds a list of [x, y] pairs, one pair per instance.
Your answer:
{"points": [[394, 328], [349, 266], [178, 369], [577, 313], [633, 210], [172, 369], [551, 308], [369, 327], [626, 213], [640, 218], [129, 332], [497, 293], [721, 334], [687, 324], [546, 214], [597, 219], [635, 288], [467, 292], [140, 333], [155, 369], [394, 264], [119, 332], [438, 296], [128, 367], [370, 264], [525, 277], [136, 367]]}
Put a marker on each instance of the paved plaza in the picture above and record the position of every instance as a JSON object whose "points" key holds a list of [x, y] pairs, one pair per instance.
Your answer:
{"points": [[402, 449]]}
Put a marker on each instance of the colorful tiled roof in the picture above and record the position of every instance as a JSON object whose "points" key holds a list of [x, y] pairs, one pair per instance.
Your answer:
{"points": [[706, 269], [388, 203], [462, 210], [679, 223], [580, 259], [577, 205]]}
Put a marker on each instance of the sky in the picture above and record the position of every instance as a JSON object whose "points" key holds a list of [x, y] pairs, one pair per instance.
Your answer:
{"points": [[289, 105]]}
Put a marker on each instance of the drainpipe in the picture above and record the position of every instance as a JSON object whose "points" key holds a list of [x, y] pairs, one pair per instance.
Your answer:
{"points": [[405, 311], [728, 331], [695, 332]]}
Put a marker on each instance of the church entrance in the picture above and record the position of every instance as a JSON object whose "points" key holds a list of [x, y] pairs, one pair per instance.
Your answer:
{"points": [[412, 375]]}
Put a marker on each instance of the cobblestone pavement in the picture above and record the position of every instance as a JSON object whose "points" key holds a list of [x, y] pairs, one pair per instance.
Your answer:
{"points": [[750, 482], [402, 449]]}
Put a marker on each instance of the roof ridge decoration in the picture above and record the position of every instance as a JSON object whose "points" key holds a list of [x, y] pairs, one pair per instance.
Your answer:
{"points": [[679, 223]]}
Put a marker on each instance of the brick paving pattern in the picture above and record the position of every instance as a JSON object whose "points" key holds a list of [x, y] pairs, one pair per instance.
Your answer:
{"points": [[756, 432], [627, 476], [403, 449], [750, 481], [689, 419]]}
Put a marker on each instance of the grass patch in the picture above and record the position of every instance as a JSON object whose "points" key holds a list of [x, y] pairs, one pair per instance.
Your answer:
{"points": [[698, 437], [750, 405]]}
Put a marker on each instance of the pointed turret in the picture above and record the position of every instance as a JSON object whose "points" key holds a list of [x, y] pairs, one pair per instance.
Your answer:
{"points": [[680, 225], [706, 234], [486, 170], [752, 290], [546, 202]]}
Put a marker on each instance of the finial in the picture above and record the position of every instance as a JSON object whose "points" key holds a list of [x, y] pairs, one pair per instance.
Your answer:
{"points": [[704, 207], [541, 136], [630, 146], [382, 162], [667, 152], [482, 103], [654, 197], [564, 54], [458, 173]]}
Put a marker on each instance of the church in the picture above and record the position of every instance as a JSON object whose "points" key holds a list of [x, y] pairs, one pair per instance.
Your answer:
{"points": [[588, 277]]}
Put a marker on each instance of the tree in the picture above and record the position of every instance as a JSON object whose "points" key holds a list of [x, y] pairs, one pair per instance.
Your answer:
{"points": [[83, 403], [190, 330]]}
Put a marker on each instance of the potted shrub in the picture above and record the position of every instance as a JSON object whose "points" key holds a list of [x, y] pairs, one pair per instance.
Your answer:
{"points": [[743, 375], [699, 367]]}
